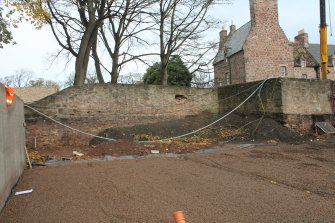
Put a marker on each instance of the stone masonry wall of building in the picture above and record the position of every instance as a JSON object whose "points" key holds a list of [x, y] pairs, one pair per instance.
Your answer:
{"points": [[220, 71], [237, 66], [233, 65], [94, 108], [304, 72], [267, 48]]}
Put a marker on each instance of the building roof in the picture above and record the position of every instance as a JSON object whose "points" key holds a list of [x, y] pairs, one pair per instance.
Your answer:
{"points": [[234, 43], [314, 50], [32, 94], [301, 52]]}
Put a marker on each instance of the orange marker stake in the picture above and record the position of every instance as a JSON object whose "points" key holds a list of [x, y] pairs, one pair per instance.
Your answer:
{"points": [[179, 217]]}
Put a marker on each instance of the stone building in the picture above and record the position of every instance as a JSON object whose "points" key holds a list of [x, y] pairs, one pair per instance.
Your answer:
{"points": [[260, 49]]}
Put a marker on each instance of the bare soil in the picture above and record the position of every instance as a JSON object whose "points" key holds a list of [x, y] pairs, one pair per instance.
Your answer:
{"points": [[134, 140]]}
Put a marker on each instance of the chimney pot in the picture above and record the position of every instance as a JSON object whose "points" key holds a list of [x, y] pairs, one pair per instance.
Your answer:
{"points": [[232, 29], [302, 38]]}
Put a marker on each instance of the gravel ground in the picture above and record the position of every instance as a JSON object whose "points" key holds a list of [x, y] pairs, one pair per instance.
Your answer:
{"points": [[243, 183]]}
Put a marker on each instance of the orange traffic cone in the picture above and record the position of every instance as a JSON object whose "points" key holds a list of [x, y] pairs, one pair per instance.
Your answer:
{"points": [[179, 217]]}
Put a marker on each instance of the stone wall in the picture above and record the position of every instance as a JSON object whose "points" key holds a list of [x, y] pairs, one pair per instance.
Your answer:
{"points": [[297, 103], [304, 72], [94, 108], [12, 142]]}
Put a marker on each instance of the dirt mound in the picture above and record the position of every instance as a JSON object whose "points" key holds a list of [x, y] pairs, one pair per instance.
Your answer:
{"points": [[233, 128]]}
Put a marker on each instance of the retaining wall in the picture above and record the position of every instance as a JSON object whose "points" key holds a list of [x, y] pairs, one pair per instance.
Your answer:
{"points": [[93, 108], [12, 142], [297, 103]]}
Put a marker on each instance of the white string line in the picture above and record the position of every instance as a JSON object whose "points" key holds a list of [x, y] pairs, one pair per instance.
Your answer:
{"points": [[226, 115], [67, 126], [161, 140]]}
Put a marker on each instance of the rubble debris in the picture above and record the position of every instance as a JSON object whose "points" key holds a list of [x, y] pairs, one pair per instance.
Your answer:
{"points": [[23, 192], [76, 153]]}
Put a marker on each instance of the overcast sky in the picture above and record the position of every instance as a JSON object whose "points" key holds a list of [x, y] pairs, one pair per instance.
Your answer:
{"points": [[35, 46]]}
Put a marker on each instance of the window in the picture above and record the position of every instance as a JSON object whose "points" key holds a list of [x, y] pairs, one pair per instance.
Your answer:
{"points": [[304, 76], [283, 72], [302, 62]]}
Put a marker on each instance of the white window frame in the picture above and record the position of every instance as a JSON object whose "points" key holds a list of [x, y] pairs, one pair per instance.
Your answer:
{"points": [[283, 70], [302, 62]]}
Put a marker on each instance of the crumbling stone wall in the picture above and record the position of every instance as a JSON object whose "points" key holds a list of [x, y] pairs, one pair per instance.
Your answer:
{"points": [[93, 108]]}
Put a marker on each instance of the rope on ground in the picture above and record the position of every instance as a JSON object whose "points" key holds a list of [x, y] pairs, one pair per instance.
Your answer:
{"points": [[160, 140]]}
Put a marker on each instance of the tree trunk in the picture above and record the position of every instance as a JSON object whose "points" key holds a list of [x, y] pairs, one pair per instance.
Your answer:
{"points": [[115, 65], [97, 63], [84, 53], [164, 71]]}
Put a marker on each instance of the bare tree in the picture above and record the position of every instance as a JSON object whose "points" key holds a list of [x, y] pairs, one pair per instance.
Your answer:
{"points": [[180, 27], [75, 25], [21, 78], [91, 78], [41, 82], [122, 31]]}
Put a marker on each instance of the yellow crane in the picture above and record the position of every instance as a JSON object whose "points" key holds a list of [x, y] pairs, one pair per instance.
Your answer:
{"points": [[323, 40]]}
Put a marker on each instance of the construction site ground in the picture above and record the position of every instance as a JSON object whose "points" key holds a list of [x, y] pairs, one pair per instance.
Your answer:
{"points": [[141, 140], [246, 169]]}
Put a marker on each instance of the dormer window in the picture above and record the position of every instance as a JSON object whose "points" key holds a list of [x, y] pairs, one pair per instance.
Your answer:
{"points": [[302, 62]]}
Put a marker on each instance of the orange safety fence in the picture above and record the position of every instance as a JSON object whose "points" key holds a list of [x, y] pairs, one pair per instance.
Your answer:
{"points": [[9, 95]]}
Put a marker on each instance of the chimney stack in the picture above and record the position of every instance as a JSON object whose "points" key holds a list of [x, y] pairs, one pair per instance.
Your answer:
{"points": [[264, 12], [302, 38], [223, 38]]}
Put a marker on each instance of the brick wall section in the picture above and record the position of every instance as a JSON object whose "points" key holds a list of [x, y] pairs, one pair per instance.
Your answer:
{"points": [[266, 48], [94, 108]]}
